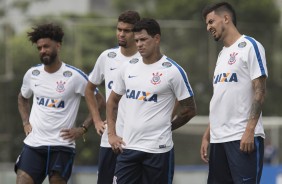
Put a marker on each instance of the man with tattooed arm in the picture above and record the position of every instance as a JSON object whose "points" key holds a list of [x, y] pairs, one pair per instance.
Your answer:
{"points": [[235, 133]]}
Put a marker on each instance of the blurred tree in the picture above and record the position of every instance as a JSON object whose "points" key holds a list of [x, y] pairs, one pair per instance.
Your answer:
{"points": [[90, 41], [247, 11]]}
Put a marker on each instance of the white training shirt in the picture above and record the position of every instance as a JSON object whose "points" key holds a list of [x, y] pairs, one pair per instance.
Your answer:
{"points": [[56, 98], [105, 69], [151, 91], [231, 103]]}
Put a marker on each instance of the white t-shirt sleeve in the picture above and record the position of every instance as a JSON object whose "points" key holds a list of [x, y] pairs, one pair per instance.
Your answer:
{"points": [[97, 75], [257, 61], [119, 84], [26, 89], [180, 84], [80, 83]]}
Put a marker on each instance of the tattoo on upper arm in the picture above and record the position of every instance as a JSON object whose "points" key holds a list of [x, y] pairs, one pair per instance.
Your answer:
{"points": [[188, 103], [187, 111]]}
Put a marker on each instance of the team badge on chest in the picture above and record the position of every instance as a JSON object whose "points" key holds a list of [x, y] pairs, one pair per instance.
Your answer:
{"points": [[112, 54], [35, 72], [232, 59], [156, 78], [60, 86], [67, 74]]}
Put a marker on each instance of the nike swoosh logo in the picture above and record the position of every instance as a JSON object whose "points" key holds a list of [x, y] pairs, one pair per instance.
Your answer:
{"points": [[113, 68], [246, 179], [131, 76]]}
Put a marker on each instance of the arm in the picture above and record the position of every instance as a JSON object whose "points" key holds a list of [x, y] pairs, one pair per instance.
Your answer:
{"points": [[259, 88], [112, 109], [93, 105], [101, 101], [76, 132], [205, 145], [175, 110], [187, 112], [24, 109]]}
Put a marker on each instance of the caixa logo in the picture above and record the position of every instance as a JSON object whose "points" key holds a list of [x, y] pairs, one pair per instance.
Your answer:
{"points": [[141, 95], [50, 102], [110, 84], [225, 77]]}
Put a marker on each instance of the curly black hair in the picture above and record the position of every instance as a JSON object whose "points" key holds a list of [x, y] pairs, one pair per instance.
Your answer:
{"points": [[54, 32]]}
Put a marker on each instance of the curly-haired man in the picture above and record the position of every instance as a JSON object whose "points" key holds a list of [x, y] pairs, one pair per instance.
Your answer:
{"points": [[56, 87]]}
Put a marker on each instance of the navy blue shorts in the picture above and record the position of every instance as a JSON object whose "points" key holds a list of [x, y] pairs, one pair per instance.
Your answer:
{"points": [[38, 162], [137, 167], [106, 165], [229, 165]]}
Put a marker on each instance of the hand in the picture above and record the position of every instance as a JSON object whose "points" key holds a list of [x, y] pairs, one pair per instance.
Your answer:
{"points": [[27, 128], [204, 150], [100, 127], [247, 142], [116, 143], [72, 133]]}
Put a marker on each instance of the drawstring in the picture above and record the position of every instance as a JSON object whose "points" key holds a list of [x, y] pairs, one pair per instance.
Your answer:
{"points": [[47, 162]]}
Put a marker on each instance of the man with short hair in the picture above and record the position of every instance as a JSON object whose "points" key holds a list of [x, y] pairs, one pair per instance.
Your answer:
{"points": [[150, 86], [105, 69], [235, 133]]}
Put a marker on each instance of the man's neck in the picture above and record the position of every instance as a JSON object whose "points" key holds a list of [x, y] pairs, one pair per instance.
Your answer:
{"points": [[232, 36], [153, 58], [53, 67], [129, 51]]}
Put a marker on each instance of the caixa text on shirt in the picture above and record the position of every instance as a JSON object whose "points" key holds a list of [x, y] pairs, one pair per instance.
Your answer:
{"points": [[225, 77], [141, 95], [48, 102]]}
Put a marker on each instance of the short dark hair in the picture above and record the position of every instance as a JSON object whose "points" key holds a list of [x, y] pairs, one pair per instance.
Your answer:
{"points": [[129, 16], [220, 7], [54, 32], [150, 25]]}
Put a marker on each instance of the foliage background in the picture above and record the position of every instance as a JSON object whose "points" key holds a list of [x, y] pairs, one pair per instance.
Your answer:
{"points": [[184, 39]]}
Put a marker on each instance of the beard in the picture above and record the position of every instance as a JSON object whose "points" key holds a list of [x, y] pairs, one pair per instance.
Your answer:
{"points": [[220, 36], [216, 38], [122, 44], [48, 59]]}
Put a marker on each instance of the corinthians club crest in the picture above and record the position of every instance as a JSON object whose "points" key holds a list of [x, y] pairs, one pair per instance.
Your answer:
{"points": [[60, 86], [156, 78], [232, 59]]}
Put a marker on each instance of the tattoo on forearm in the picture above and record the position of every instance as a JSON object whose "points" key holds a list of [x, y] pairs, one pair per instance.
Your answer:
{"points": [[259, 95]]}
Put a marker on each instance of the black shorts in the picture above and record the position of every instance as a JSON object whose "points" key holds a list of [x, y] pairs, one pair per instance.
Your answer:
{"points": [[137, 167], [106, 165], [38, 162], [229, 165]]}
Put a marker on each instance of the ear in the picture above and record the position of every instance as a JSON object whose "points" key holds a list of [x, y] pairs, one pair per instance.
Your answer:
{"points": [[157, 37], [227, 18], [59, 45]]}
